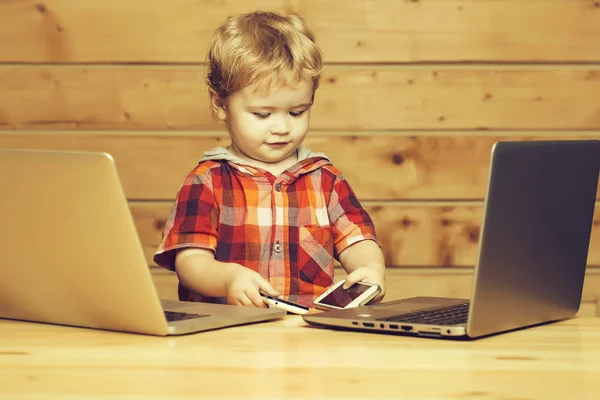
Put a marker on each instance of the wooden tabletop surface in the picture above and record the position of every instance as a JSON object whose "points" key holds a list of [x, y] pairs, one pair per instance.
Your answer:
{"points": [[289, 359]]}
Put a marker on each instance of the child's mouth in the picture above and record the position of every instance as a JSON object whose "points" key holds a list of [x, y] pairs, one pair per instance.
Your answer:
{"points": [[278, 144]]}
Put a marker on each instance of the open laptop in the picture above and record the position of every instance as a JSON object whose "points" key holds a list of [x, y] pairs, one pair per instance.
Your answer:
{"points": [[71, 255], [532, 251]]}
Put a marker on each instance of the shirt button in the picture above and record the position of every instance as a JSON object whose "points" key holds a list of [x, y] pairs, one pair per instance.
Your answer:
{"points": [[277, 247], [278, 187]]}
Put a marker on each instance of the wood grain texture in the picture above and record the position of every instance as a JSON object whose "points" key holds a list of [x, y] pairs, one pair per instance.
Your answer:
{"points": [[410, 234], [409, 282], [287, 359], [378, 165], [348, 30], [350, 98]]}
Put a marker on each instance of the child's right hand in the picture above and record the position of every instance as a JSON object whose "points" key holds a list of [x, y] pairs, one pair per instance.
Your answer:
{"points": [[243, 288]]}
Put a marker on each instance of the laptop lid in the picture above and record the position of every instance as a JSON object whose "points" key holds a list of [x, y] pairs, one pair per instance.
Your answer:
{"points": [[71, 254], [535, 234]]}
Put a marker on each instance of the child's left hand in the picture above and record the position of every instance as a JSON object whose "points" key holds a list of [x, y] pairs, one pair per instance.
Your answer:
{"points": [[369, 274]]}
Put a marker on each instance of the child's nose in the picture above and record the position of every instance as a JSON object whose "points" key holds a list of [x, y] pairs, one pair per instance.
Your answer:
{"points": [[281, 125]]}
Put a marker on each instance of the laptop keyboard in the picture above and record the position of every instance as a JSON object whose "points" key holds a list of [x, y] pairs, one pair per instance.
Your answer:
{"points": [[179, 316], [451, 315]]}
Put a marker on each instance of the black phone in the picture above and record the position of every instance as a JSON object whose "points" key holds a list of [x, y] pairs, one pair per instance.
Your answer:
{"points": [[286, 305]]}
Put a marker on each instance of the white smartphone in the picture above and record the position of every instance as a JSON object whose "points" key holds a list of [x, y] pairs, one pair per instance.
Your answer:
{"points": [[336, 298], [286, 305]]}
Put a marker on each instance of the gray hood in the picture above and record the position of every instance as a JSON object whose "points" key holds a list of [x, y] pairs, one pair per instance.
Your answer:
{"points": [[221, 153]]}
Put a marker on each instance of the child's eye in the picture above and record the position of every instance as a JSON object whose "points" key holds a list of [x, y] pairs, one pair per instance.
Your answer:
{"points": [[297, 113], [262, 115]]}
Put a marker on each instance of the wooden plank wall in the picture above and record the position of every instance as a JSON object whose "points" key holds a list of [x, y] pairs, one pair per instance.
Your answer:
{"points": [[414, 94]]}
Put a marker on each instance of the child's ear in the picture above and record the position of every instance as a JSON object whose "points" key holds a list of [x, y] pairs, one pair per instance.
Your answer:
{"points": [[218, 106]]}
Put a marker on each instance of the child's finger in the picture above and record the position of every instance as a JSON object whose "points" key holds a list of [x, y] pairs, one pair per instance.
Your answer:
{"points": [[265, 286], [255, 298], [243, 300], [354, 277]]}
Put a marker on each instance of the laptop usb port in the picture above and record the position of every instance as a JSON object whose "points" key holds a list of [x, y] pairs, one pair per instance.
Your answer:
{"points": [[368, 324], [406, 328], [393, 326]]}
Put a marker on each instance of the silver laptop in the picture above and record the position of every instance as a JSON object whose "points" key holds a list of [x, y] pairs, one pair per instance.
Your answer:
{"points": [[532, 252], [71, 255]]}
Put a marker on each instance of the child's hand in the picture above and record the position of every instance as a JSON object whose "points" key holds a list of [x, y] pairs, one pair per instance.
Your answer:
{"points": [[243, 288], [369, 274]]}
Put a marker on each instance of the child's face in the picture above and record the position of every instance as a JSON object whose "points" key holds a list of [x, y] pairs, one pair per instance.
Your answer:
{"points": [[267, 128]]}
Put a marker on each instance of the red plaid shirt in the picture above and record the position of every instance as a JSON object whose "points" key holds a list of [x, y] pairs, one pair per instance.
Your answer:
{"points": [[289, 228]]}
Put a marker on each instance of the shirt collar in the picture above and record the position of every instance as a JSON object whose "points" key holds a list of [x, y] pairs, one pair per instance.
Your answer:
{"points": [[307, 161]]}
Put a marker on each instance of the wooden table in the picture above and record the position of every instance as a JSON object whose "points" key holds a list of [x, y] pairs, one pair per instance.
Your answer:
{"points": [[288, 359]]}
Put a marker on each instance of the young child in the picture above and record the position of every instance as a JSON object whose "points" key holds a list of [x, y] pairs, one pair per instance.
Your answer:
{"points": [[266, 213]]}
